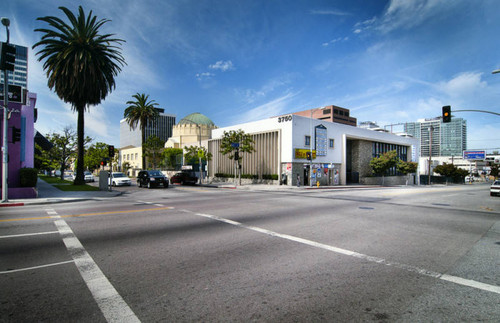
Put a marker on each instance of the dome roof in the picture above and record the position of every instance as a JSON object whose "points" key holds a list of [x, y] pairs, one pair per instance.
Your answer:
{"points": [[197, 118]]}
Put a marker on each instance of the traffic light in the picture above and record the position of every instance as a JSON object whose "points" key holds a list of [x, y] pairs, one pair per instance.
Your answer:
{"points": [[111, 151], [104, 162], [8, 56], [446, 114], [16, 134], [308, 155], [236, 155]]}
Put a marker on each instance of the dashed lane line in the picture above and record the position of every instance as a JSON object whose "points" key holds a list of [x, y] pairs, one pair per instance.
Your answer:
{"points": [[410, 268], [28, 234], [35, 267]]}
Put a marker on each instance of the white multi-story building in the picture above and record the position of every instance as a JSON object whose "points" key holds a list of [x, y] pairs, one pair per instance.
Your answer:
{"points": [[448, 139], [341, 153]]}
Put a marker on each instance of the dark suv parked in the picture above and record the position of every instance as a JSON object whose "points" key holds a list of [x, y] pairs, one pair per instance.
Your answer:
{"points": [[151, 178]]}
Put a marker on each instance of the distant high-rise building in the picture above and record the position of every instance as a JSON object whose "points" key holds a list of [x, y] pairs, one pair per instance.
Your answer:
{"points": [[330, 113], [448, 139], [20, 74], [161, 128]]}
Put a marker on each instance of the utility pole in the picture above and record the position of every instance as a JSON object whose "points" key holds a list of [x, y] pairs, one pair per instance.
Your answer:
{"points": [[5, 152], [431, 128]]}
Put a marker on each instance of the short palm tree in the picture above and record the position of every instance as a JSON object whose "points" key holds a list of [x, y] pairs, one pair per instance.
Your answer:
{"points": [[80, 64], [141, 112]]}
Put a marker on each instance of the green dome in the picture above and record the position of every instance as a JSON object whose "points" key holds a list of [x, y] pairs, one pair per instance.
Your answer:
{"points": [[197, 118]]}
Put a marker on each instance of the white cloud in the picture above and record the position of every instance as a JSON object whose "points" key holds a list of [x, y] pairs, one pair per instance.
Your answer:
{"points": [[223, 66], [204, 76], [405, 14], [329, 12], [463, 85], [272, 108]]}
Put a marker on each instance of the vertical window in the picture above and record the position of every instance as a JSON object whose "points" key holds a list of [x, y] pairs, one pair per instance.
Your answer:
{"points": [[331, 143], [308, 141]]}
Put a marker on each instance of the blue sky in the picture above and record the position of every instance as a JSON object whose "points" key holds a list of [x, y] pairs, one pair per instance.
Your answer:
{"points": [[388, 61]]}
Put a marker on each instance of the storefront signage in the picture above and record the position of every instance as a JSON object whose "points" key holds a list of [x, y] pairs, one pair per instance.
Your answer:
{"points": [[321, 140], [302, 153], [285, 118], [16, 93]]}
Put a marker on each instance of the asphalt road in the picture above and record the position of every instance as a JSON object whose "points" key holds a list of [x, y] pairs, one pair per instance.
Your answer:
{"points": [[204, 254]]}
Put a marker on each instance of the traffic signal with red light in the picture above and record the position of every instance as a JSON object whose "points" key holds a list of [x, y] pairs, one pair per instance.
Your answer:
{"points": [[446, 114], [7, 56], [111, 151]]}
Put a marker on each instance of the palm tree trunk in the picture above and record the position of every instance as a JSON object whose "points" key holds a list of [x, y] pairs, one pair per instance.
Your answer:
{"points": [[143, 134], [79, 179]]}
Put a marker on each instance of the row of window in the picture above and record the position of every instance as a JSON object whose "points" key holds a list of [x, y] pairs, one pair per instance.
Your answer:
{"points": [[331, 142], [131, 156]]}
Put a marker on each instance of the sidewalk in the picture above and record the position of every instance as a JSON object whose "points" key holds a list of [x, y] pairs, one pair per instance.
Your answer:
{"points": [[48, 194]]}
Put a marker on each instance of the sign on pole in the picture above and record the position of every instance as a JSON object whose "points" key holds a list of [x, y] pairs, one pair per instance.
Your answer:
{"points": [[474, 154]]}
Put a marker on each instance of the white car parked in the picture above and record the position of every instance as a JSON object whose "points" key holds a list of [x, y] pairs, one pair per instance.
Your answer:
{"points": [[119, 179]]}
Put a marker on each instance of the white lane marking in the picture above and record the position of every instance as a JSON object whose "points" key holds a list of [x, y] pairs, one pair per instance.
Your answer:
{"points": [[36, 267], [28, 234], [410, 268], [112, 305]]}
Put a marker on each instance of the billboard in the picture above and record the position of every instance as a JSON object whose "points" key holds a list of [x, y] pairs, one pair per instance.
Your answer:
{"points": [[474, 154]]}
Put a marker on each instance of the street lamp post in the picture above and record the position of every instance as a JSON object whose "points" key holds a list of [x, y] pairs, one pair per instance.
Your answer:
{"points": [[431, 128], [496, 71], [5, 154]]}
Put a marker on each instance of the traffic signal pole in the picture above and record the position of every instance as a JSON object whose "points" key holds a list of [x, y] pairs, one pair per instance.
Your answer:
{"points": [[5, 153]]}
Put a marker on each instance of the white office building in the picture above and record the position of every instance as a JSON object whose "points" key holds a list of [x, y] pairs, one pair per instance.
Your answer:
{"points": [[341, 153]]}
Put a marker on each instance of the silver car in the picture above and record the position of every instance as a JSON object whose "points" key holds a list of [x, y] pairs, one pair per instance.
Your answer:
{"points": [[119, 179]]}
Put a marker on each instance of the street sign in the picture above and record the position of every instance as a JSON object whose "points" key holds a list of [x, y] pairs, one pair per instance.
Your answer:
{"points": [[474, 154], [235, 144]]}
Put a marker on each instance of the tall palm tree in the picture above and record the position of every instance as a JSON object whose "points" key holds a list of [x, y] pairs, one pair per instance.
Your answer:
{"points": [[141, 112], [80, 64]]}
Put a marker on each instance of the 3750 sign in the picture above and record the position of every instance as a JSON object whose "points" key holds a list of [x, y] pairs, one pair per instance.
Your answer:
{"points": [[285, 118]]}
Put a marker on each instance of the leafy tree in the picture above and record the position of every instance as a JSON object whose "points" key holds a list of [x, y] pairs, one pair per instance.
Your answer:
{"points": [[235, 143], [406, 168], [386, 161], [81, 65], [139, 113], [172, 157], [95, 154], [64, 149], [153, 149], [197, 155], [44, 159], [450, 170]]}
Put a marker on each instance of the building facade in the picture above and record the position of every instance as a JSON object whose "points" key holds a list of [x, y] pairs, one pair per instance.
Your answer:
{"points": [[438, 138], [330, 113], [161, 128], [191, 131], [340, 153]]}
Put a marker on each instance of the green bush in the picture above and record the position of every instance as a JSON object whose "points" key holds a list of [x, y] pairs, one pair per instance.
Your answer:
{"points": [[28, 176]]}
